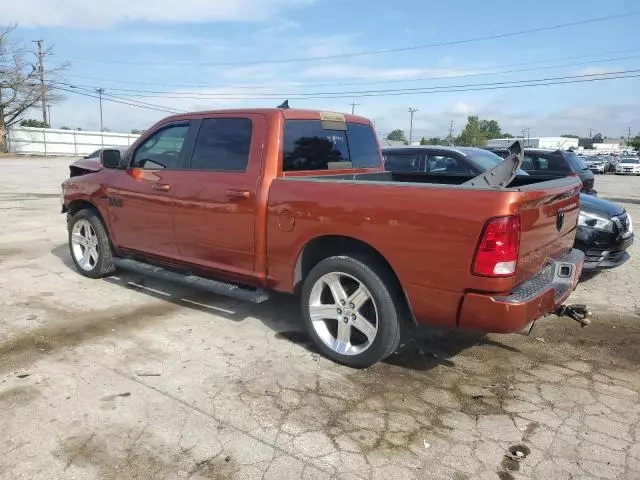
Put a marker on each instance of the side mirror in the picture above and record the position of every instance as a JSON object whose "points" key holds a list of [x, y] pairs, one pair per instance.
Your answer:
{"points": [[110, 158]]}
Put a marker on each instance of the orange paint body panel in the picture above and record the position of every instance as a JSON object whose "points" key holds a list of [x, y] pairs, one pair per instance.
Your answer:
{"points": [[252, 226]]}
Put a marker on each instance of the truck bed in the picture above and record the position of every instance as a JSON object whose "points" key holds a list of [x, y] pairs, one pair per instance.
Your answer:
{"points": [[434, 180]]}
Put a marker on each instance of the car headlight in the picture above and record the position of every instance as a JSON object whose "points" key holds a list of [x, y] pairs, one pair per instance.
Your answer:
{"points": [[586, 219]]}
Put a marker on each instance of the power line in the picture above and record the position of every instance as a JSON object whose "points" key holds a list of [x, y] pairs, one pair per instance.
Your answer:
{"points": [[130, 103], [377, 52], [385, 92], [261, 85]]}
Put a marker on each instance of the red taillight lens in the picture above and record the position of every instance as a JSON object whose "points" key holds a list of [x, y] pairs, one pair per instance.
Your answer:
{"points": [[497, 253]]}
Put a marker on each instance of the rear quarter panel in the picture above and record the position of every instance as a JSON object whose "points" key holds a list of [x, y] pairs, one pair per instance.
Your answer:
{"points": [[427, 234]]}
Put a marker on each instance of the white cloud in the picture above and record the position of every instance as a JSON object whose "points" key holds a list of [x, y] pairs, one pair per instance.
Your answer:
{"points": [[345, 70], [462, 109], [88, 14]]}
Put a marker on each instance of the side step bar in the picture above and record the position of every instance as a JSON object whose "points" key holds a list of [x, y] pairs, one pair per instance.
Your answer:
{"points": [[213, 286]]}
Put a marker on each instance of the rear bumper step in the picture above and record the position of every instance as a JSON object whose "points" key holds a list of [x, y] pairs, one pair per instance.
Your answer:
{"points": [[540, 295], [201, 283]]}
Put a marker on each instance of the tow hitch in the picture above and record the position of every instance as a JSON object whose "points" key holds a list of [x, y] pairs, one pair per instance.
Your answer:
{"points": [[579, 313]]}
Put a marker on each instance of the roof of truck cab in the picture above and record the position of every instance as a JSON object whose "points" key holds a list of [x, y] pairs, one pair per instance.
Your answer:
{"points": [[289, 114]]}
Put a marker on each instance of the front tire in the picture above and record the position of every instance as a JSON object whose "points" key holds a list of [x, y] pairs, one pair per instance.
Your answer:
{"points": [[89, 245], [352, 310]]}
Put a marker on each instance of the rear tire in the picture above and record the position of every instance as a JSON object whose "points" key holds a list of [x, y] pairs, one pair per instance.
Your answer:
{"points": [[352, 310], [89, 245]]}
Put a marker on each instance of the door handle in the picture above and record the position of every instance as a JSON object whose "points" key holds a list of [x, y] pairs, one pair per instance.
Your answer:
{"points": [[162, 187], [238, 193]]}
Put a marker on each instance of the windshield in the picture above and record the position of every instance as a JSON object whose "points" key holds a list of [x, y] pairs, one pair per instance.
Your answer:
{"points": [[487, 160], [633, 161]]}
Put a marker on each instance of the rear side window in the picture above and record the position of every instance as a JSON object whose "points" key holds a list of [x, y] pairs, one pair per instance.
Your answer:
{"points": [[222, 144], [548, 162], [308, 146], [576, 162], [401, 162]]}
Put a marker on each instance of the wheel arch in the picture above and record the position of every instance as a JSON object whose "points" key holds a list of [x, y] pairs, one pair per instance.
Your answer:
{"points": [[327, 246], [81, 204]]}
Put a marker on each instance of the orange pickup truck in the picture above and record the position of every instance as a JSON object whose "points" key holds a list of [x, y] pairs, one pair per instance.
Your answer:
{"points": [[244, 202]]}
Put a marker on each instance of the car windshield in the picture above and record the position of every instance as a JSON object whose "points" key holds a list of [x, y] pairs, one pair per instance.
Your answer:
{"points": [[633, 161], [487, 160]]}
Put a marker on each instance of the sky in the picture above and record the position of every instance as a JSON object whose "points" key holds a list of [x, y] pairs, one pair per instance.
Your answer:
{"points": [[210, 54]]}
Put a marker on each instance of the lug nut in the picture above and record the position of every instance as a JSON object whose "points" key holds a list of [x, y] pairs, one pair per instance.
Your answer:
{"points": [[353, 317], [339, 312], [351, 305], [345, 320], [342, 302]]}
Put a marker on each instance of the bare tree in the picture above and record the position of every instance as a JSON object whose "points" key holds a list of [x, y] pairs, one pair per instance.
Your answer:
{"points": [[20, 87]]}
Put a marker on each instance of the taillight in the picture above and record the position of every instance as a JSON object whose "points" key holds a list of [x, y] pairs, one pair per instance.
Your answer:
{"points": [[497, 253]]}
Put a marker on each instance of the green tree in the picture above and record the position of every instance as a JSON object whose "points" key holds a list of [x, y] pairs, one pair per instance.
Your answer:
{"points": [[432, 141], [490, 129], [135, 131], [471, 134], [598, 138], [507, 135], [33, 123], [477, 132], [569, 135], [398, 136], [635, 142], [64, 128]]}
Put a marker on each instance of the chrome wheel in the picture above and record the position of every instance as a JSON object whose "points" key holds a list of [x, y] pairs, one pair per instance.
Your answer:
{"points": [[343, 313], [84, 245]]}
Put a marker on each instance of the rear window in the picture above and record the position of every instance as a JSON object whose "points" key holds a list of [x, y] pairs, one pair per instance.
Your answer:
{"points": [[485, 159], [308, 146], [634, 161], [544, 162], [576, 162]]}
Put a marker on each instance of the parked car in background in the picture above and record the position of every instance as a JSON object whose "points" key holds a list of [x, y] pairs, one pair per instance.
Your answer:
{"points": [[543, 162], [628, 166], [248, 201], [599, 165], [605, 230]]}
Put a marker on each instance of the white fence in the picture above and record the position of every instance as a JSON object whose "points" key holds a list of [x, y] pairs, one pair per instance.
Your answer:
{"points": [[50, 141]]}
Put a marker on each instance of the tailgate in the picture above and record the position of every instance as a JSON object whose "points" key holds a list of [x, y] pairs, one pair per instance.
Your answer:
{"points": [[548, 218]]}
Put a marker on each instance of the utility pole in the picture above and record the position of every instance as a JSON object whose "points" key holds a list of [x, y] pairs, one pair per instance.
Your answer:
{"points": [[591, 133], [628, 135], [522, 132], [353, 107], [451, 132], [42, 87], [49, 113], [412, 110], [100, 91]]}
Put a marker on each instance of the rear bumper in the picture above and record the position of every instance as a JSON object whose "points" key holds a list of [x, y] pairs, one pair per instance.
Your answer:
{"points": [[538, 296]]}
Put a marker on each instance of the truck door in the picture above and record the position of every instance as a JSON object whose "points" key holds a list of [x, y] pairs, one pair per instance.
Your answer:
{"points": [[216, 194], [140, 198]]}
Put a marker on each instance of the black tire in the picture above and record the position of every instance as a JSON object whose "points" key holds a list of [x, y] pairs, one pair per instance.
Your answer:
{"points": [[385, 293], [103, 266]]}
